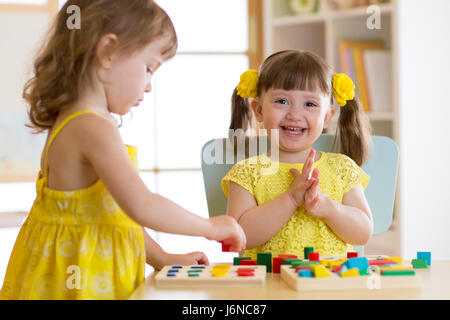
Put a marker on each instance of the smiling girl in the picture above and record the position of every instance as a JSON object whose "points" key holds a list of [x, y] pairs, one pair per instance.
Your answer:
{"points": [[314, 198]]}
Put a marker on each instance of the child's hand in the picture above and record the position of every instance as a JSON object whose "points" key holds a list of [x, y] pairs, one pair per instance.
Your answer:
{"points": [[316, 202], [226, 228], [302, 181], [190, 258]]}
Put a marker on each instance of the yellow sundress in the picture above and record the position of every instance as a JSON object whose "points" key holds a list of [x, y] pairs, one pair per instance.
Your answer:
{"points": [[338, 174], [75, 244]]}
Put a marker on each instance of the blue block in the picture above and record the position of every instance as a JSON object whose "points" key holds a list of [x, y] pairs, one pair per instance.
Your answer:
{"points": [[172, 270], [361, 263], [343, 268], [177, 266], [305, 273], [424, 255], [171, 274]]}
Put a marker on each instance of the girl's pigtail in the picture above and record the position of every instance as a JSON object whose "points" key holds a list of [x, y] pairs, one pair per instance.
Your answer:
{"points": [[240, 112], [354, 131]]}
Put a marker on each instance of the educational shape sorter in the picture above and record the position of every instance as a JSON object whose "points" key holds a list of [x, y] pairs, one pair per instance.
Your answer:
{"points": [[212, 276], [357, 273]]}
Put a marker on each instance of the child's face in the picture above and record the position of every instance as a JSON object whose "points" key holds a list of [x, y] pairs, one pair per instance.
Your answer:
{"points": [[130, 76], [299, 115]]}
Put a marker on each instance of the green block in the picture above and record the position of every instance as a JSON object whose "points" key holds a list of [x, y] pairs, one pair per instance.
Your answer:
{"points": [[307, 250], [302, 263], [364, 272], [265, 259], [195, 270], [398, 272], [237, 260], [419, 263], [290, 260], [193, 274]]}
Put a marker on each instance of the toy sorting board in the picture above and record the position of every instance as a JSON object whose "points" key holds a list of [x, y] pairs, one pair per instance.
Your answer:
{"points": [[374, 280], [219, 275]]}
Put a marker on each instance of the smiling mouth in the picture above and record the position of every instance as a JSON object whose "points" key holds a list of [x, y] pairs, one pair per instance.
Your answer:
{"points": [[293, 131]]}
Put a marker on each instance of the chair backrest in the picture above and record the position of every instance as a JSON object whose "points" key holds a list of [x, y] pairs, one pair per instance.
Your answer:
{"points": [[218, 158]]}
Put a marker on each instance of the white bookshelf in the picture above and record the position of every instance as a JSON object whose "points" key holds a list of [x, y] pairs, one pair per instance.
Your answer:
{"points": [[321, 32]]}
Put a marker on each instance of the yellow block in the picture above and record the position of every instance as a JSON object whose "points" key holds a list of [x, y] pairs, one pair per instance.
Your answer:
{"points": [[401, 267], [325, 262], [350, 273], [320, 271], [396, 259], [219, 274], [221, 267]]}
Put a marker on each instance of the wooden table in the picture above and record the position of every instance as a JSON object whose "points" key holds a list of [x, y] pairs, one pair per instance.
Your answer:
{"points": [[435, 285]]}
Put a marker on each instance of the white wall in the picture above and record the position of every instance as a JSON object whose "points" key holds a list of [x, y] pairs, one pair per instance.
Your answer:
{"points": [[424, 114]]}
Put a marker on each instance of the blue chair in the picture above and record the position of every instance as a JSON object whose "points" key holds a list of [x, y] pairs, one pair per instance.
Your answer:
{"points": [[218, 158]]}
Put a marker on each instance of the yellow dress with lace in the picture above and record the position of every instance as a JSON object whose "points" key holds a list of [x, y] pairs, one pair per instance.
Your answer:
{"points": [[75, 244], [266, 179]]}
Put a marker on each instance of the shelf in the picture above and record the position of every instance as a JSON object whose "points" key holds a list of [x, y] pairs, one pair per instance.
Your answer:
{"points": [[324, 16]]}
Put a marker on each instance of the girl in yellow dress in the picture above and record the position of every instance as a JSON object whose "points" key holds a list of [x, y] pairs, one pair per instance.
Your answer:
{"points": [[295, 197], [84, 237]]}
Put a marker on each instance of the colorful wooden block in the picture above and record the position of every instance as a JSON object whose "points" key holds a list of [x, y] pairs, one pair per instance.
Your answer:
{"points": [[419, 263], [398, 272], [306, 251], [305, 273], [302, 268], [381, 262], [302, 263], [276, 263], [352, 254], [225, 247], [396, 259], [320, 271], [350, 273], [248, 262], [287, 256], [336, 269], [265, 259], [424, 255], [361, 263], [291, 260], [237, 260], [313, 256]]}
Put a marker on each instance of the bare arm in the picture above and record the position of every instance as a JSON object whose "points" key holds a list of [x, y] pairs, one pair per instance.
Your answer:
{"points": [[351, 221], [102, 146], [260, 223]]}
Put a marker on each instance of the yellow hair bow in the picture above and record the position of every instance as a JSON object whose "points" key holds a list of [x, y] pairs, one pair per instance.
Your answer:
{"points": [[248, 84], [343, 88]]}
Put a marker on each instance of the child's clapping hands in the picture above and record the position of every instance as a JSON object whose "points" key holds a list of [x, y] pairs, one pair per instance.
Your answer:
{"points": [[305, 189]]}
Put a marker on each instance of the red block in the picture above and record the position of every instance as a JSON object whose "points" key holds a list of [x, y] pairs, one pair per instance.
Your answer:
{"points": [[336, 269], [352, 255], [248, 262], [245, 269], [313, 256], [302, 268], [276, 264], [226, 244], [246, 274], [287, 256], [381, 262]]}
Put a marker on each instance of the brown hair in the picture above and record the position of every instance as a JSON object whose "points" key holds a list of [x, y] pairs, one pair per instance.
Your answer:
{"points": [[302, 70], [66, 58]]}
